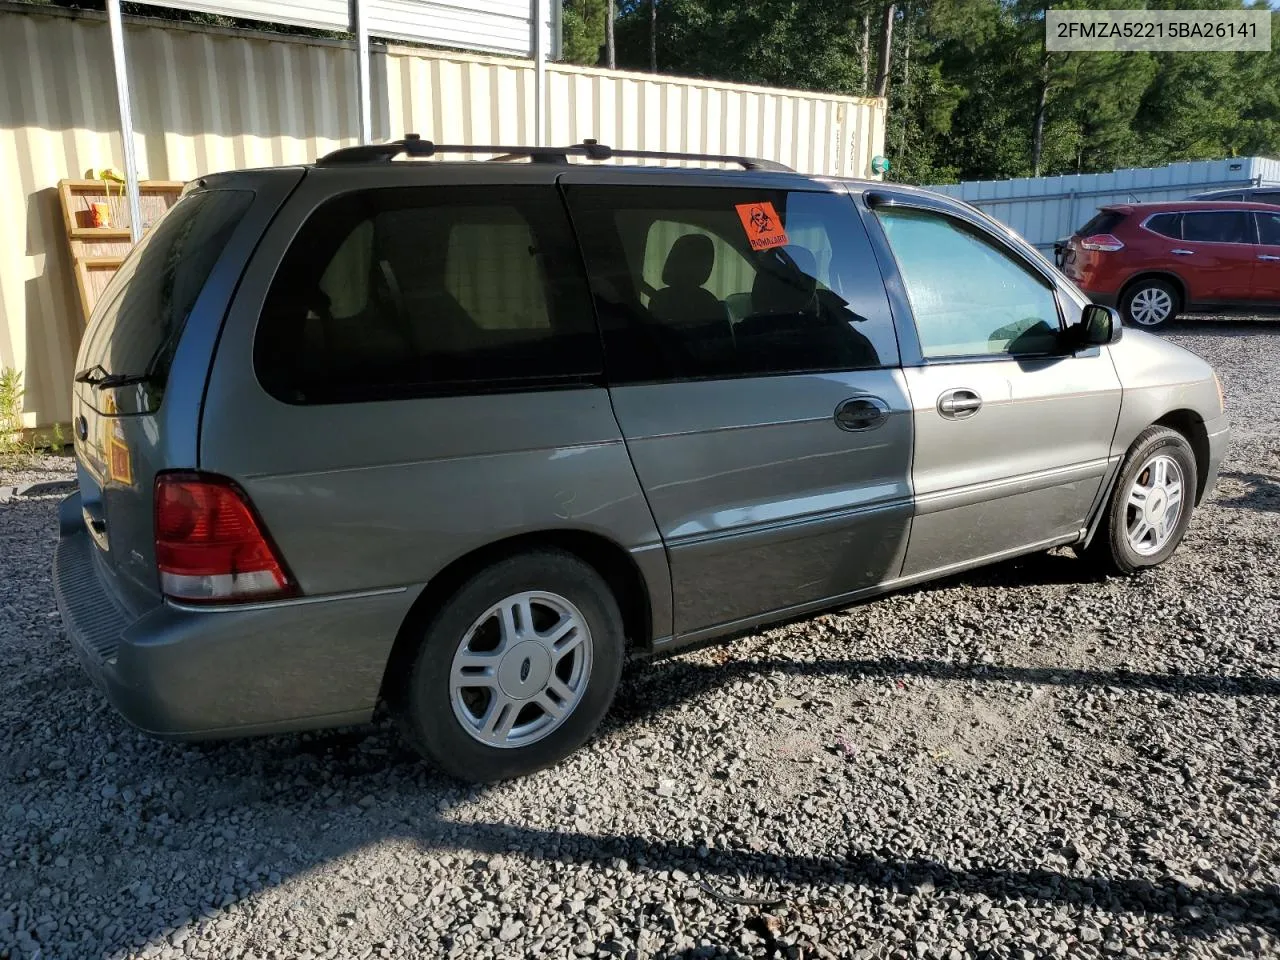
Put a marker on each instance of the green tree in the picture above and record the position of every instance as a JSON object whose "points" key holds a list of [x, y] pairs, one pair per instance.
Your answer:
{"points": [[583, 27], [805, 44]]}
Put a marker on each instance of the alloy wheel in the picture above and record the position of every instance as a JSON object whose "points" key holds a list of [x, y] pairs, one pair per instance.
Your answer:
{"points": [[521, 669], [1151, 306], [1154, 505]]}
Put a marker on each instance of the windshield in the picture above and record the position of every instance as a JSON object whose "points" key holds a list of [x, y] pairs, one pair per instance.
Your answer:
{"points": [[137, 324]]}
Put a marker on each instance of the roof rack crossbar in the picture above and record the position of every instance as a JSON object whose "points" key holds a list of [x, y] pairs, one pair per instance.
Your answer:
{"points": [[414, 146]]}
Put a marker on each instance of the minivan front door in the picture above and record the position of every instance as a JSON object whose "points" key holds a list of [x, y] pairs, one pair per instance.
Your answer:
{"points": [[753, 371], [1013, 428]]}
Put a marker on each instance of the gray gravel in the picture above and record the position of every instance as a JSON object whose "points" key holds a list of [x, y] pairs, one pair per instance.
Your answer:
{"points": [[1021, 762]]}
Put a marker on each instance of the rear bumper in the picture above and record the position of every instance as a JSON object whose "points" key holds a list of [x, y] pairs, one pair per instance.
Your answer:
{"points": [[192, 673], [1219, 432]]}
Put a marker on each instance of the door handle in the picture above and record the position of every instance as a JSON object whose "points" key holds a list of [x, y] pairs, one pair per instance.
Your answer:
{"points": [[1182, 253], [862, 413], [959, 404], [1267, 256]]}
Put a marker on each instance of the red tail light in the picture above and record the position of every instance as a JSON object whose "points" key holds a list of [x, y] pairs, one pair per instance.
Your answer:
{"points": [[1102, 241], [210, 545]]}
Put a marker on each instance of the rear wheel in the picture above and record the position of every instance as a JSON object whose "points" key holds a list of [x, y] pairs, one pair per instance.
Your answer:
{"points": [[1150, 507], [516, 670], [1150, 303]]}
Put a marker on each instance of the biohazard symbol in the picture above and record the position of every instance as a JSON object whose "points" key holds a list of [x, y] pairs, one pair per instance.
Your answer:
{"points": [[762, 224]]}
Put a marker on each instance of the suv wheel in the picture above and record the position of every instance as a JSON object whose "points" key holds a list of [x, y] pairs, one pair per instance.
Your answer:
{"points": [[516, 670], [1150, 304], [1151, 504]]}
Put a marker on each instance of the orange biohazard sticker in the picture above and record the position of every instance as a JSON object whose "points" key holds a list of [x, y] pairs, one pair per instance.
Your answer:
{"points": [[763, 226]]}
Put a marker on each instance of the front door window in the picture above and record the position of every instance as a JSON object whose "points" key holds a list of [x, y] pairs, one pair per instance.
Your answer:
{"points": [[969, 299]]}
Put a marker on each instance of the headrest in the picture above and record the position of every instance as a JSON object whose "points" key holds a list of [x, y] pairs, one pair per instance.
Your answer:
{"points": [[689, 262], [786, 282]]}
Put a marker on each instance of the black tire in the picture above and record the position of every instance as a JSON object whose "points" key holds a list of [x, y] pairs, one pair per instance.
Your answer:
{"points": [[1111, 547], [1155, 289], [424, 706]]}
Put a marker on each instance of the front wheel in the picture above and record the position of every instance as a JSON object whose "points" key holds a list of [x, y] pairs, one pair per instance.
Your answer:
{"points": [[1150, 507], [516, 670], [1150, 304]]}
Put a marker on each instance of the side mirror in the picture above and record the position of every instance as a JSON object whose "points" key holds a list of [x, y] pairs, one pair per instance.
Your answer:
{"points": [[1100, 326]]}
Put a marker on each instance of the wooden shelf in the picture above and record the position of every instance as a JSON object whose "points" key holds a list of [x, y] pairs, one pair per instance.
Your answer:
{"points": [[97, 251], [100, 233]]}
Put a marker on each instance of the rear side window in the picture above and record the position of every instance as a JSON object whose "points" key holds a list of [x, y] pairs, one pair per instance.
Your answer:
{"points": [[1104, 222], [1266, 196], [1223, 226], [426, 290], [1220, 196], [140, 318], [711, 282], [1269, 228], [1166, 224]]}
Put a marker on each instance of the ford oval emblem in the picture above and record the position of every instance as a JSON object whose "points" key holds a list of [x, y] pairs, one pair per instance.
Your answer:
{"points": [[82, 427]]}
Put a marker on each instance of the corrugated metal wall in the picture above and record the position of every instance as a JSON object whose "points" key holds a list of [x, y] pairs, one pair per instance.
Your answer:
{"points": [[1043, 209], [209, 100], [498, 26]]}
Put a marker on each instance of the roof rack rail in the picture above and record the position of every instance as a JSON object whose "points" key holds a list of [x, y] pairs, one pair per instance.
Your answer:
{"points": [[414, 146]]}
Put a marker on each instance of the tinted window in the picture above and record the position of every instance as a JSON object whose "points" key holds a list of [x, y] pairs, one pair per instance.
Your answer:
{"points": [[140, 317], [695, 282], [1224, 226], [1104, 222], [1269, 228], [1167, 225], [1219, 196], [412, 291], [969, 298], [1266, 196]]}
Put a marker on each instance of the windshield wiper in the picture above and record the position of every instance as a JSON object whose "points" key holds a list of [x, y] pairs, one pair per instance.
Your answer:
{"points": [[98, 378]]}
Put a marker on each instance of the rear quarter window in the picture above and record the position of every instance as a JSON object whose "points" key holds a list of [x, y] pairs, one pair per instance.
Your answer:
{"points": [[1166, 224], [140, 317], [399, 292]]}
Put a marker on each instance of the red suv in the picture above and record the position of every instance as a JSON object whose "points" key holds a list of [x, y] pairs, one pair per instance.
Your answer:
{"points": [[1155, 260]]}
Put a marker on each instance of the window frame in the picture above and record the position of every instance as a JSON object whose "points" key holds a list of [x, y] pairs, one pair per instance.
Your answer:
{"points": [[1257, 226], [1068, 304], [555, 290], [718, 181]]}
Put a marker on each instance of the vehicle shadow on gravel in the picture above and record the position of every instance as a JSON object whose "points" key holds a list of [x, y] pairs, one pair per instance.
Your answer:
{"points": [[307, 795], [685, 682], [1228, 326], [1261, 492], [1033, 570], [1190, 905]]}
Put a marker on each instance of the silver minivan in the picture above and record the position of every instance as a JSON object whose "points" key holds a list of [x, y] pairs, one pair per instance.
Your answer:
{"points": [[463, 436]]}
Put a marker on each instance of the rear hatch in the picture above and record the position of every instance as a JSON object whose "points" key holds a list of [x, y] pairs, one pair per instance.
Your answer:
{"points": [[1094, 236], [144, 361]]}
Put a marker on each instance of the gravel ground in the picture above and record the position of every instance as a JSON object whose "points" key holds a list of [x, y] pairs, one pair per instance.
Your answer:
{"points": [[1022, 762]]}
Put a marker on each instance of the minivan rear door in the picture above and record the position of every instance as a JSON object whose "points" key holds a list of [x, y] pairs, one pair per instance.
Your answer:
{"points": [[144, 360], [753, 369]]}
